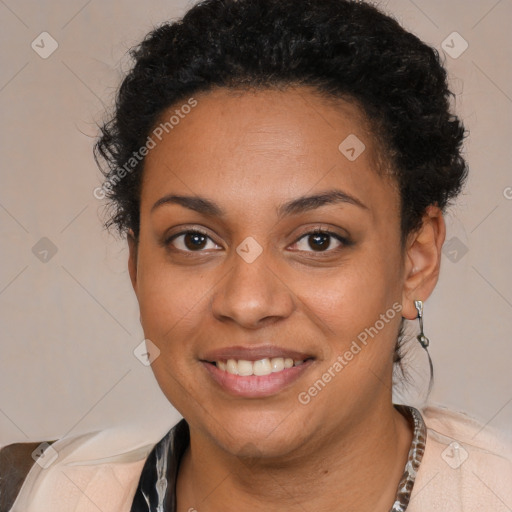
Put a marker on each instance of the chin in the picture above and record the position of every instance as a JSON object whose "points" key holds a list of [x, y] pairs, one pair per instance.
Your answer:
{"points": [[258, 434], [262, 447]]}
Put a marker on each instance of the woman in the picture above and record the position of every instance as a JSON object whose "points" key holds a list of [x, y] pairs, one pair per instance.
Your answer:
{"points": [[280, 169]]}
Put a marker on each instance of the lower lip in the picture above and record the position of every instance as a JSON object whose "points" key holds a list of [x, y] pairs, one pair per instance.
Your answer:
{"points": [[256, 386]]}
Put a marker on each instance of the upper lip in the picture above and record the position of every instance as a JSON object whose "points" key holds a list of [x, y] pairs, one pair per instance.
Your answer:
{"points": [[254, 353]]}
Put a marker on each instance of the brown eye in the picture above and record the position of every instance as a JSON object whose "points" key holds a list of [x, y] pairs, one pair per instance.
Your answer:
{"points": [[192, 241], [320, 241]]}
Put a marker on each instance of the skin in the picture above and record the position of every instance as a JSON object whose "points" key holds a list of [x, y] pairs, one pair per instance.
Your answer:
{"points": [[250, 152]]}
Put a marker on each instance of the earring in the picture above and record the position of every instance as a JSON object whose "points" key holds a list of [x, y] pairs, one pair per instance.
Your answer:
{"points": [[421, 336], [424, 341]]}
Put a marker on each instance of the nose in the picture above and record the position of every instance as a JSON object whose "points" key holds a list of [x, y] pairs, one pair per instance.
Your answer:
{"points": [[252, 294]]}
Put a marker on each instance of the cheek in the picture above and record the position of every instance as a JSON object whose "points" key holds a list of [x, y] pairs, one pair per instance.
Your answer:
{"points": [[171, 304], [357, 303], [362, 291], [169, 297]]}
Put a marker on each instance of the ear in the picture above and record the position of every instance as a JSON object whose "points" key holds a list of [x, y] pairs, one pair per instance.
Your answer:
{"points": [[423, 260], [132, 259]]}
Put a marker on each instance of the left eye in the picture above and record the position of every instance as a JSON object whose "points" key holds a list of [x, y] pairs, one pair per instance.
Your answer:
{"points": [[319, 241]]}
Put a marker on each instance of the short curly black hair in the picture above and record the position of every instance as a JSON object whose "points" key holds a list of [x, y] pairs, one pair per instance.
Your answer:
{"points": [[344, 49]]}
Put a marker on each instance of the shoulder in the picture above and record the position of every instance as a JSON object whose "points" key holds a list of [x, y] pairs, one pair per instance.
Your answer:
{"points": [[467, 465], [79, 472], [15, 462]]}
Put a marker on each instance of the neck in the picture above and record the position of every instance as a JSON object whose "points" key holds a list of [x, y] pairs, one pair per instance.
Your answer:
{"points": [[360, 470]]}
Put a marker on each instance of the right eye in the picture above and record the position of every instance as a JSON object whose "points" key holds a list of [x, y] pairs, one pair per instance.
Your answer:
{"points": [[191, 241]]}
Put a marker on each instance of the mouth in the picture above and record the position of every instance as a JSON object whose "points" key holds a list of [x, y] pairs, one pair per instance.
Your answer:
{"points": [[255, 372]]}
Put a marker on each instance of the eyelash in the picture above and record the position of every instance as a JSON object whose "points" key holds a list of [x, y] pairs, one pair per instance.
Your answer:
{"points": [[317, 231]]}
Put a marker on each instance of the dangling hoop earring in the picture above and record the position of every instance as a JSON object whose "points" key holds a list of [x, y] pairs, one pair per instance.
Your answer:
{"points": [[421, 336], [424, 341]]}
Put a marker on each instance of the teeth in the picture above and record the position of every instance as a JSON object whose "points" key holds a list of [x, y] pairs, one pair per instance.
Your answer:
{"points": [[232, 366], [277, 364], [245, 368], [261, 367]]}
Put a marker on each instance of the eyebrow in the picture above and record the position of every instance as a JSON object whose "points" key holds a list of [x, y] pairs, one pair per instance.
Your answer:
{"points": [[293, 207]]}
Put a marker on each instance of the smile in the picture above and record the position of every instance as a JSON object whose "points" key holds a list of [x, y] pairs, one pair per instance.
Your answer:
{"points": [[256, 379]]}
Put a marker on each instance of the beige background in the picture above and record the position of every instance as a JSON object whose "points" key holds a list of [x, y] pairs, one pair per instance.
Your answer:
{"points": [[70, 324]]}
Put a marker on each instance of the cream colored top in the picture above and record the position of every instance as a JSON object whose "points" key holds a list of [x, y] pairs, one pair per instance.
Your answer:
{"points": [[465, 468]]}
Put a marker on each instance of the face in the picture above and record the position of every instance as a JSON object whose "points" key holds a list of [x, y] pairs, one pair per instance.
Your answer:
{"points": [[260, 240]]}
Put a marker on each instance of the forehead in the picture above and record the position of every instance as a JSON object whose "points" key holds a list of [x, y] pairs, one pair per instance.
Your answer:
{"points": [[264, 145]]}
